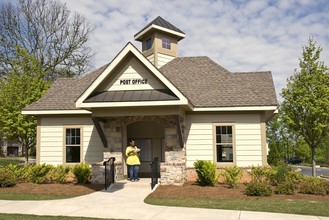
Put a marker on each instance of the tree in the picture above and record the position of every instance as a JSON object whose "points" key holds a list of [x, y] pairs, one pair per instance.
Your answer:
{"points": [[49, 32], [281, 141], [306, 99], [23, 85]]}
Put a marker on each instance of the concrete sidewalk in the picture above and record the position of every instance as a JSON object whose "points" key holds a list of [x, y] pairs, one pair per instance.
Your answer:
{"points": [[124, 200]]}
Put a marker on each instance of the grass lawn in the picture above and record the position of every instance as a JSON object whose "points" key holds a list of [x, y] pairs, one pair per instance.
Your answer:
{"points": [[36, 217], [4, 161], [29, 196], [221, 196], [301, 207]]}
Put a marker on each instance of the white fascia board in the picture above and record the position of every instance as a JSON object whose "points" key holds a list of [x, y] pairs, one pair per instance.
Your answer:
{"points": [[160, 28], [129, 48], [130, 104], [250, 108], [55, 112]]}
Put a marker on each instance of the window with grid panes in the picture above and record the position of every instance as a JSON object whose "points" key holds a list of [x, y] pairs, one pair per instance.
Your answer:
{"points": [[73, 146], [166, 43], [224, 143]]}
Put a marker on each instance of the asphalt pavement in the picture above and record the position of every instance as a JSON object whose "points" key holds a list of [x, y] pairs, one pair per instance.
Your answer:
{"points": [[320, 171]]}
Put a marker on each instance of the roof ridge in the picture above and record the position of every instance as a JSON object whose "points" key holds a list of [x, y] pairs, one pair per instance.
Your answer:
{"points": [[159, 21], [245, 72]]}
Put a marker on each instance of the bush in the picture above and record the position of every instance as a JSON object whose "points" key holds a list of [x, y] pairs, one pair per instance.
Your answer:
{"points": [[60, 173], [262, 174], [313, 185], [40, 173], [82, 172], [286, 187], [279, 173], [7, 179], [257, 188], [15, 171], [232, 176], [206, 171]]}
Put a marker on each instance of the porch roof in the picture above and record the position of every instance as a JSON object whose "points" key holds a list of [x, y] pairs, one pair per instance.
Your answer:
{"points": [[132, 96]]}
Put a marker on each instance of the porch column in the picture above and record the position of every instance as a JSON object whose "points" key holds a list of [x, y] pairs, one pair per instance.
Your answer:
{"points": [[173, 170]]}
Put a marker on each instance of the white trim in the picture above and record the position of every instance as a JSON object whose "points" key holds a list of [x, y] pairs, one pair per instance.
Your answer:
{"points": [[159, 28], [249, 108], [55, 112], [130, 48]]}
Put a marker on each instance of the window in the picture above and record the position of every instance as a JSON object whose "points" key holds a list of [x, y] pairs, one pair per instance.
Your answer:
{"points": [[166, 43], [224, 143], [148, 44], [72, 145]]}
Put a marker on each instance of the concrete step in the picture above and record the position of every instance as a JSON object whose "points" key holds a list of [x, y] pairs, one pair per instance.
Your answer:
{"points": [[142, 183]]}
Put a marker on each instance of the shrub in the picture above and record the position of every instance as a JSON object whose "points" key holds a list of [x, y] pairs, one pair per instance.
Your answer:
{"points": [[279, 173], [232, 176], [262, 174], [206, 172], [60, 173], [7, 179], [313, 185], [82, 172], [15, 171], [257, 188], [286, 187], [40, 173]]}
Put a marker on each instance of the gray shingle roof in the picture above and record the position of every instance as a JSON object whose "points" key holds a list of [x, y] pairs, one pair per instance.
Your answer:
{"points": [[162, 23], [201, 80], [207, 84], [63, 92]]}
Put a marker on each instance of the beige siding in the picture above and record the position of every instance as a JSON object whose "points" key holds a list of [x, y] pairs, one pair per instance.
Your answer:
{"points": [[200, 143], [134, 70], [163, 59], [52, 139]]}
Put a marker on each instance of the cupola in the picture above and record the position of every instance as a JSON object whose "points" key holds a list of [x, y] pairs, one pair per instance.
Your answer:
{"points": [[160, 41]]}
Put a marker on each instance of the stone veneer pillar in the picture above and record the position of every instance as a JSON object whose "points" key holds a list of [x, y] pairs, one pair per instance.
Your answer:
{"points": [[173, 170]]}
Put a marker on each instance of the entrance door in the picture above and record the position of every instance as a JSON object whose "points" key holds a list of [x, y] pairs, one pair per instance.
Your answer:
{"points": [[148, 137]]}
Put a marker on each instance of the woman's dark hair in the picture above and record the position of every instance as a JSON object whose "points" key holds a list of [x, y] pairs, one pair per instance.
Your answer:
{"points": [[130, 140]]}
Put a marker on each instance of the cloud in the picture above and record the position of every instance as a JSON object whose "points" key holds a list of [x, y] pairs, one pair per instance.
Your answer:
{"points": [[238, 35]]}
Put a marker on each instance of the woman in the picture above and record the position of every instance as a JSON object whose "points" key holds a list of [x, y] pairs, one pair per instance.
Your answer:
{"points": [[132, 153]]}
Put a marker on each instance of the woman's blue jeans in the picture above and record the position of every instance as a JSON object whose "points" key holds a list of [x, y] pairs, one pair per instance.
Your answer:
{"points": [[133, 172]]}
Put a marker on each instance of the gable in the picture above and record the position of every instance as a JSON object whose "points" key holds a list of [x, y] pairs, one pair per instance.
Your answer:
{"points": [[130, 80], [133, 76]]}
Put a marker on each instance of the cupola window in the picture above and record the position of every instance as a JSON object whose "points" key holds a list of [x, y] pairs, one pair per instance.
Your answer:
{"points": [[148, 43], [166, 43]]}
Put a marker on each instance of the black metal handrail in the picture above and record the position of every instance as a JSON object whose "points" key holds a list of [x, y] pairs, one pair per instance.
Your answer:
{"points": [[154, 172], [109, 172]]}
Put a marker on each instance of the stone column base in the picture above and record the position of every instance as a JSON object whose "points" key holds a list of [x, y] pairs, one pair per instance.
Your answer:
{"points": [[98, 172], [172, 173]]}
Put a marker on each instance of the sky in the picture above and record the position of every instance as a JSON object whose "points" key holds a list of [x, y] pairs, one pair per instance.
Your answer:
{"points": [[241, 36]]}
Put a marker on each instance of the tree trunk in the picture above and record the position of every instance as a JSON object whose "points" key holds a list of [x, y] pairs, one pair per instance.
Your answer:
{"points": [[313, 162], [26, 153]]}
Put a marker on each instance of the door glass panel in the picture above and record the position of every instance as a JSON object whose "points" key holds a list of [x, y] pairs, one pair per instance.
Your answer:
{"points": [[146, 149]]}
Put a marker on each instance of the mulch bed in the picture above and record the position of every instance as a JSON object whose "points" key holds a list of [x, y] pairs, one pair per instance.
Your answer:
{"points": [[66, 189], [222, 191]]}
